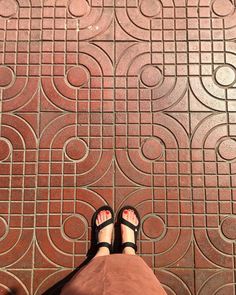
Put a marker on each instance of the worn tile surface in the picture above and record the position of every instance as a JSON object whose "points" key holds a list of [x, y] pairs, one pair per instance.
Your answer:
{"points": [[118, 102]]}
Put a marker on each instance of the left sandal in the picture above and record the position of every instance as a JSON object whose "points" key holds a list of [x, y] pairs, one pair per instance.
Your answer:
{"points": [[101, 226]]}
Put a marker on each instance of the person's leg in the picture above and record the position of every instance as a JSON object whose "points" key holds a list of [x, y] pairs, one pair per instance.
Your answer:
{"points": [[105, 234], [126, 232]]}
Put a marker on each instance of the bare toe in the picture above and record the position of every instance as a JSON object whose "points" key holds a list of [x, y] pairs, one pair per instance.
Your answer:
{"points": [[105, 234], [127, 233]]}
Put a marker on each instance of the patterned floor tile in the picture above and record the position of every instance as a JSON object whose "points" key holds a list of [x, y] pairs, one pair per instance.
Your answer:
{"points": [[118, 102]]}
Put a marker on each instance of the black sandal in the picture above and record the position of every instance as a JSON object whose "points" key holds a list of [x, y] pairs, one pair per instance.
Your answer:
{"points": [[101, 226], [136, 228]]}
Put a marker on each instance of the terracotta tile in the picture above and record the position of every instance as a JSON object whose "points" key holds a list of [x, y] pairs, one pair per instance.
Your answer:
{"points": [[12, 281], [182, 281], [118, 104], [210, 280], [45, 279]]}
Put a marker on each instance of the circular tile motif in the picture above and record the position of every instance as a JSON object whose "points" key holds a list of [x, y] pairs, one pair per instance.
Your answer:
{"points": [[151, 76], [77, 76], [152, 148], [227, 149], [74, 227], [8, 8], [222, 7], [153, 227], [228, 227], [76, 149], [3, 227], [6, 76], [79, 8], [225, 75], [5, 149], [150, 8]]}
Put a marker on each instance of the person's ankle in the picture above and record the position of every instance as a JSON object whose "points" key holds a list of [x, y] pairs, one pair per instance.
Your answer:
{"points": [[129, 251], [103, 251]]}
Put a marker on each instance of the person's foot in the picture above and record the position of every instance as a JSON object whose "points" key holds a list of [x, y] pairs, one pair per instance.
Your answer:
{"points": [[105, 234], [126, 232]]}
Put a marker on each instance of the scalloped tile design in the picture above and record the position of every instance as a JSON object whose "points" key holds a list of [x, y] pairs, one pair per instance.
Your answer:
{"points": [[118, 102]]}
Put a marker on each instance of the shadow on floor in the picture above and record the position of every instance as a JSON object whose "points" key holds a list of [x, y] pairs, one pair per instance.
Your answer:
{"points": [[12, 292]]}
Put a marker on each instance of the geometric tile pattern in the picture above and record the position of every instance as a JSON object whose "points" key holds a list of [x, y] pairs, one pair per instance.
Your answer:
{"points": [[118, 102]]}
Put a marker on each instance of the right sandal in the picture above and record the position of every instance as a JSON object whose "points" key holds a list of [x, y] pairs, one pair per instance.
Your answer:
{"points": [[136, 228]]}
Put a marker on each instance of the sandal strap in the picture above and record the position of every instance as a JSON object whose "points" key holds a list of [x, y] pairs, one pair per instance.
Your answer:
{"points": [[129, 224], [129, 244], [104, 244], [107, 222]]}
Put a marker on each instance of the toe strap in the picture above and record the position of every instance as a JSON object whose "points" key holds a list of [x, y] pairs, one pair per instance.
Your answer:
{"points": [[104, 244], [129, 244], [105, 223], [129, 224]]}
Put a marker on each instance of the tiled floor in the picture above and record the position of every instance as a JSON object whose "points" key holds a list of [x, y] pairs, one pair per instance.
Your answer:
{"points": [[118, 102]]}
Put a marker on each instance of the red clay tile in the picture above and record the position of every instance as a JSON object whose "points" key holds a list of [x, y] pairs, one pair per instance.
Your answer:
{"points": [[118, 103]]}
